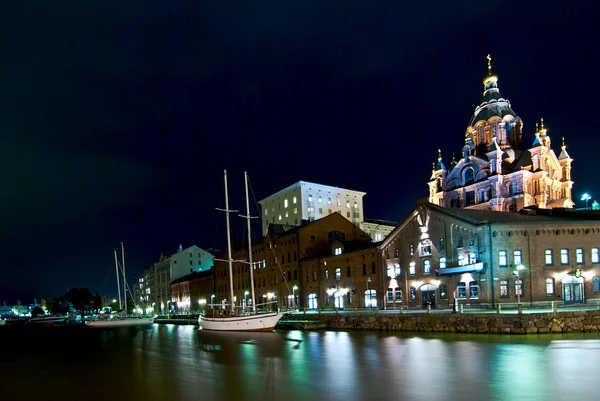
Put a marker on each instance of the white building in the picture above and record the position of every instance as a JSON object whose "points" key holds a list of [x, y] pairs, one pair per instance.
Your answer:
{"points": [[309, 201], [189, 260], [378, 229]]}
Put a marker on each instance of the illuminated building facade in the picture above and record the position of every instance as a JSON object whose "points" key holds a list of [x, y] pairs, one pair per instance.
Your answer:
{"points": [[498, 170], [438, 255], [307, 201]]}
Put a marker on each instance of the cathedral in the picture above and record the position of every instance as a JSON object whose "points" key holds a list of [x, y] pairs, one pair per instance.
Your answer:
{"points": [[497, 170]]}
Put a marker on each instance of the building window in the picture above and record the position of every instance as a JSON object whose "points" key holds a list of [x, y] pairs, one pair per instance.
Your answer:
{"points": [[411, 249], [549, 286], [596, 285], [390, 295], [356, 205], [503, 288], [395, 252], [427, 266], [396, 269], [564, 256], [413, 294], [426, 248], [310, 197], [314, 276], [326, 274], [279, 217], [294, 200], [472, 258], [595, 255], [319, 199], [468, 176], [398, 294], [443, 292], [459, 243], [462, 290], [548, 256], [518, 257], [329, 201], [337, 251], [502, 259], [338, 274], [441, 244], [474, 290], [470, 198], [364, 269], [519, 287], [579, 256], [442, 263], [286, 214], [412, 268], [285, 202], [461, 259], [312, 301]]}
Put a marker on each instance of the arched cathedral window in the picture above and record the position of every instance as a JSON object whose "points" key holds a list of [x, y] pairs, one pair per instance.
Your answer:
{"points": [[468, 176]]}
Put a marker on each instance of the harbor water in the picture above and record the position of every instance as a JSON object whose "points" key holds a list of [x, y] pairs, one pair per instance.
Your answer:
{"points": [[169, 362]]}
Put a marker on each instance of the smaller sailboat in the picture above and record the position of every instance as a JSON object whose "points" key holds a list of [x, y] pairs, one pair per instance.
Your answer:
{"points": [[120, 320], [233, 321]]}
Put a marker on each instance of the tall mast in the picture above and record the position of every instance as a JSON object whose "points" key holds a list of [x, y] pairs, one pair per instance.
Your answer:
{"points": [[229, 260], [249, 244], [118, 283], [124, 281]]}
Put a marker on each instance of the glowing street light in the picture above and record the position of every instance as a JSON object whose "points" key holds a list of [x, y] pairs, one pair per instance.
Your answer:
{"points": [[520, 288], [586, 197], [294, 294]]}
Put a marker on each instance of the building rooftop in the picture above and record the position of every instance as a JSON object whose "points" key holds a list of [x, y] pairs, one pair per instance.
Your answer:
{"points": [[300, 183]]}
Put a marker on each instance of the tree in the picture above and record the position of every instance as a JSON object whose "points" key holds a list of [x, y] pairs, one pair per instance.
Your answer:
{"points": [[80, 298], [49, 304], [97, 303], [43, 304], [595, 205], [37, 311]]}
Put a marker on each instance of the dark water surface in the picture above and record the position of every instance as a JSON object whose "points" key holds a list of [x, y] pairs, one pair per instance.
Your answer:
{"points": [[166, 362]]}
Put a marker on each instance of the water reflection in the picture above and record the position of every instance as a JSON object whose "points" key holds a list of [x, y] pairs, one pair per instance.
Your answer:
{"points": [[183, 363]]}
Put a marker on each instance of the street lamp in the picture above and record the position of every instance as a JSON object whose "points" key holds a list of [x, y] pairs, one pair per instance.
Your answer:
{"points": [[586, 197], [294, 294], [245, 295], [369, 292], [520, 288]]}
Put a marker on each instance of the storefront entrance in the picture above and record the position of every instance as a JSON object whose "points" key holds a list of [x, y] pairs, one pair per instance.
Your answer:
{"points": [[572, 290], [428, 295]]}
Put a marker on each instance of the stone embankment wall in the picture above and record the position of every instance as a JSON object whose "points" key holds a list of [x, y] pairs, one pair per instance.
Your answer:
{"points": [[530, 323]]}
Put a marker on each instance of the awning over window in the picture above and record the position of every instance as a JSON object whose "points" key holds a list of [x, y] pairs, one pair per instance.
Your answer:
{"points": [[476, 267]]}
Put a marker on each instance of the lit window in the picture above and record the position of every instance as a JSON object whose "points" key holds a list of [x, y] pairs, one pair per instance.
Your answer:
{"points": [[285, 202], [579, 256], [294, 200], [279, 217], [441, 247], [320, 200], [564, 256], [502, 259], [310, 197], [596, 284], [472, 258], [549, 286], [427, 266], [398, 294], [443, 263], [295, 210], [329, 200], [426, 248], [461, 260], [459, 242], [266, 212], [595, 255], [326, 274], [339, 202], [413, 294], [411, 249], [390, 271], [519, 287], [518, 257], [396, 269], [462, 290], [286, 215], [390, 295], [504, 288], [338, 274], [356, 205], [347, 203], [412, 268], [548, 256], [473, 290], [337, 251], [443, 292]]}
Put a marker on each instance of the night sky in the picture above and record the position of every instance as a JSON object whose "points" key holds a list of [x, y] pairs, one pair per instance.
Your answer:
{"points": [[118, 119]]}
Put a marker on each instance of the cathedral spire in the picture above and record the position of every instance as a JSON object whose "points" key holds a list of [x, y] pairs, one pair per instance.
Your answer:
{"points": [[491, 79], [563, 153], [440, 163]]}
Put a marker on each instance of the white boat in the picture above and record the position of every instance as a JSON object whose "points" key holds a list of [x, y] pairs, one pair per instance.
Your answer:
{"points": [[230, 320], [48, 319], [119, 320]]}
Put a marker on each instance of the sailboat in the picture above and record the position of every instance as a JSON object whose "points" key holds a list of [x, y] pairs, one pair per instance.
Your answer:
{"points": [[232, 320], [115, 320]]}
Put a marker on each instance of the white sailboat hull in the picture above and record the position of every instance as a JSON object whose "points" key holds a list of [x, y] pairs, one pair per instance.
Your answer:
{"points": [[119, 322], [48, 319], [257, 322]]}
